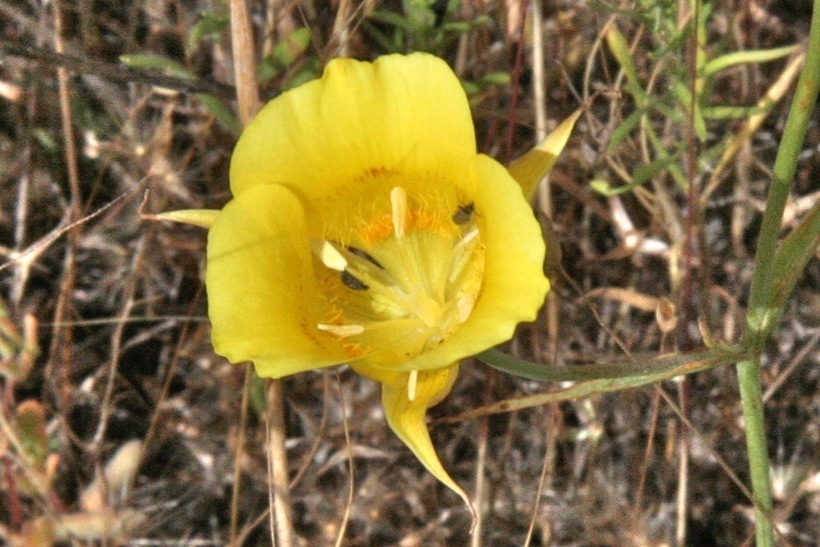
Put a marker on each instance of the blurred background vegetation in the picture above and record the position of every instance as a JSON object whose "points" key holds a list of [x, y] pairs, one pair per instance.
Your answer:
{"points": [[119, 424]]}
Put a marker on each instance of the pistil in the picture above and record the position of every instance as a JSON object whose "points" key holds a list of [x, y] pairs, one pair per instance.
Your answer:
{"points": [[413, 282]]}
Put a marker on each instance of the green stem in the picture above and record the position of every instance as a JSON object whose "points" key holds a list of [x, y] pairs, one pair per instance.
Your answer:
{"points": [[751, 397], [761, 317]]}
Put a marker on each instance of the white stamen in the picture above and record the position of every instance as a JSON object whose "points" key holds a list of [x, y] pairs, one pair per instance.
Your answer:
{"points": [[341, 331], [328, 254], [412, 384], [464, 307], [468, 237], [461, 253], [398, 202]]}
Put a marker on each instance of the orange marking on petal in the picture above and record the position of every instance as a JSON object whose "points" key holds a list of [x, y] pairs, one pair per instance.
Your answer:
{"points": [[382, 228], [353, 349], [375, 172], [377, 231]]}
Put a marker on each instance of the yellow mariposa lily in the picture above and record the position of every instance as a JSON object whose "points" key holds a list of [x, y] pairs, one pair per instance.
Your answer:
{"points": [[365, 229]]}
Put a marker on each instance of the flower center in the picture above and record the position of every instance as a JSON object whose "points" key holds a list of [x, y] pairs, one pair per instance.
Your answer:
{"points": [[409, 279]]}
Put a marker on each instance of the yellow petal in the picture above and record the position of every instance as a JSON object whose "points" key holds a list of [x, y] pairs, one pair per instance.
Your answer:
{"points": [[514, 283], [533, 166], [263, 301], [408, 418], [326, 138], [204, 218]]}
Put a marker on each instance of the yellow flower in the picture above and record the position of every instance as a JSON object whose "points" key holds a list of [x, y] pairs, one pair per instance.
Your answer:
{"points": [[365, 229]]}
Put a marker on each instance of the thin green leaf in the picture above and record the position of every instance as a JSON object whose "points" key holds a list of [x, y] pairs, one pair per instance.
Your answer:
{"points": [[385, 42], [644, 173], [641, 175], [256, 394], [464, 26], [470, 88], [384, 16], [208, 24], [734, 112], [292, 47], [267, 70], [620, 49], [791, 259], [496, 78], [740, 57], [624, 129], [684, 95], [222, 113], [643, 372], [666, 365], [283, 55], [158, 62], [456, 26], [663, 154]]}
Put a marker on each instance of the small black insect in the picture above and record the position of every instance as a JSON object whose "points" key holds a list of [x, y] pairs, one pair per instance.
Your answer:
{"points": [[353, 282], [464, 213]]}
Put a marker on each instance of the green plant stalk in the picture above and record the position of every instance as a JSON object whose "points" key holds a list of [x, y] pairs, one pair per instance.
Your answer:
{"points": [[760, 316], [751, 398]]}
